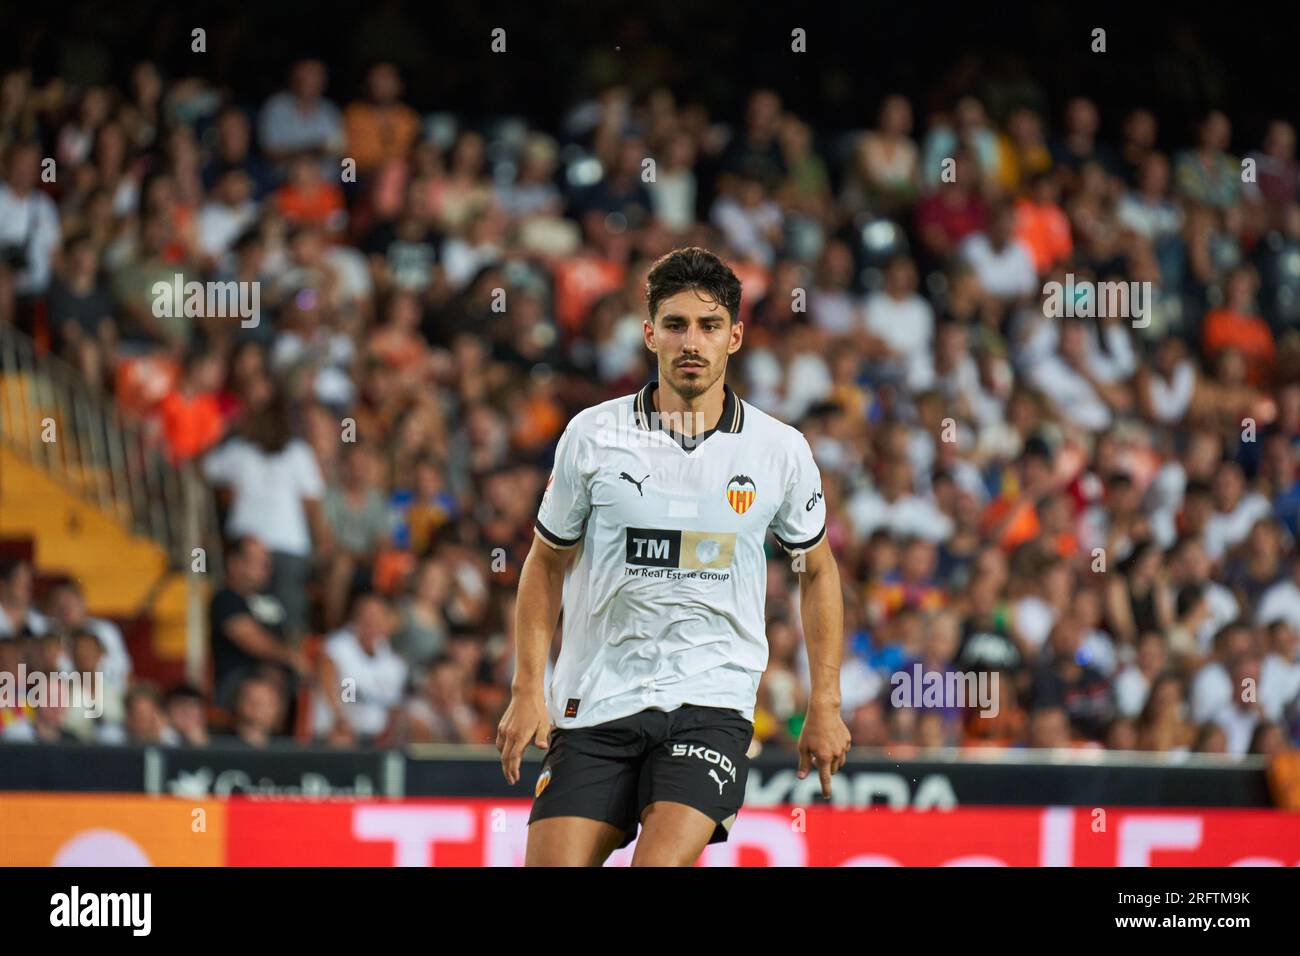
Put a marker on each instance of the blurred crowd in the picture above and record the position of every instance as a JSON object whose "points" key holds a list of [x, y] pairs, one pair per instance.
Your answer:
{"points": [[1099, 508]]}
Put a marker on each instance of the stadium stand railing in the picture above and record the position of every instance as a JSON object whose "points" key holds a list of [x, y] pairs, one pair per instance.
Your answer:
{"points": [[104, 457]]}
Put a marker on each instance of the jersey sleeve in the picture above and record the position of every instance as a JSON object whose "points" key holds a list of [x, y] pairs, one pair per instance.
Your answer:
{"points": [[800, 522], [567, 499]]}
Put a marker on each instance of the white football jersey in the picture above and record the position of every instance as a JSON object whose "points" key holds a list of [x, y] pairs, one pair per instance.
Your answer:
{"points": [[664, 602]]}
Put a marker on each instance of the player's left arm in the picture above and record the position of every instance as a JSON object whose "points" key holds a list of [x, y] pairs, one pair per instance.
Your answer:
{"points": [[825, 739], [800, 528]]}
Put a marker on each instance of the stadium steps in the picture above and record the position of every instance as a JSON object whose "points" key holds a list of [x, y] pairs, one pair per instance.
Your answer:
{"points": [[122, 574]]}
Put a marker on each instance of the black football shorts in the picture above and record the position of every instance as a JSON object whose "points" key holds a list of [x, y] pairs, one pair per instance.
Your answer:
{"points": [[611, 772]]}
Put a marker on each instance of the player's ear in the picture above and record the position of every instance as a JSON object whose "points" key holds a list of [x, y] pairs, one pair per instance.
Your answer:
{"points": [[737, 335], [648, 334]]}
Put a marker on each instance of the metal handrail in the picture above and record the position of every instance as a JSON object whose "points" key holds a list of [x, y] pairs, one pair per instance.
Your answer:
{"points": [[102, 453]]}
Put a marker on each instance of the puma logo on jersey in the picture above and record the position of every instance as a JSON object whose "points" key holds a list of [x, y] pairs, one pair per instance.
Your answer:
{"points": [[623, 475], [718, 780]]}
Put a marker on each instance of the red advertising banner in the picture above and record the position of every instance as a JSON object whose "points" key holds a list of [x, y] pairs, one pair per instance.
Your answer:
{"points": [[494, 833], [62, 829]]}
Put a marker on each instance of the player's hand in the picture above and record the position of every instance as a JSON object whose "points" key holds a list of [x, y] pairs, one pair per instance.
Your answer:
{"points": [[525, 720], [825, 742]]}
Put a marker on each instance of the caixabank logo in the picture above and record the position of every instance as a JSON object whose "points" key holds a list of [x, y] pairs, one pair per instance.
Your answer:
{"points": [[674, 554]]}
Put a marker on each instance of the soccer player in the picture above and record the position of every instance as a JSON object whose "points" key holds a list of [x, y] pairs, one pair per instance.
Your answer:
{"points": [[650, 536]]}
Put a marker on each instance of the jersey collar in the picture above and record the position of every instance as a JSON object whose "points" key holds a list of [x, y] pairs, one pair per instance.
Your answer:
{"points": [[733, 410]]}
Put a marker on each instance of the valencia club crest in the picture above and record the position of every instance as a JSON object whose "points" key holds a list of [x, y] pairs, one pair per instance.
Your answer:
{"points": [[741, 493]]}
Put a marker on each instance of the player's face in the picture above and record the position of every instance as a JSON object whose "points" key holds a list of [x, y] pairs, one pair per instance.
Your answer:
{"points": [[692, 334]]}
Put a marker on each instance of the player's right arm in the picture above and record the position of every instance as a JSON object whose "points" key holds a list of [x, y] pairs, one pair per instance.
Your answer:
{"points": [[537, 608], [560, 525]]}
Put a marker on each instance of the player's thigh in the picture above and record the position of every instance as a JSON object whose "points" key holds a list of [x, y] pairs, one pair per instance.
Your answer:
{"points": [[701, 765], [571, 841], [672, 834], [591, 774]]}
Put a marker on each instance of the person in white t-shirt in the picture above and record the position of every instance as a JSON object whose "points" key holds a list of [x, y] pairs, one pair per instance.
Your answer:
{"points": [[1002, 263], [362, 679], [67, 606], [1279, 673], [29, 226], [1241, 715], [231, 211], [832, 306], [894, 505], [276, 487], [1235, 511], [1133, 683], [1212, 688], [1281, 602], [899, 322]]}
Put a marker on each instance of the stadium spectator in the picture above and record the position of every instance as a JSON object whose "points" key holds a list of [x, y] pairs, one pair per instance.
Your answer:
{"points": [[190, 414], [82, 310], [360, 521], [100, 715], [187, 712], [441, 713], [247, 625], [885, 171], [18, 616], [29, 231], [380, 128], [361, 678], [422, 632], [145, 721], [899, 321], [1208, 174], [66, 606], [300, 117], [233, 151], [258, 711], [276, 489], [1236, 327], [226, 216]]}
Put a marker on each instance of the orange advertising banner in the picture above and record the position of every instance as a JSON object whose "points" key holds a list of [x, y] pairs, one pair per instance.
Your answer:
{"points": [[65, 829]]}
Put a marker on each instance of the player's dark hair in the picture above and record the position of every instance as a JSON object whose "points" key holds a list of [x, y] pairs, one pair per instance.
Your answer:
{"points": [[693, 268]]}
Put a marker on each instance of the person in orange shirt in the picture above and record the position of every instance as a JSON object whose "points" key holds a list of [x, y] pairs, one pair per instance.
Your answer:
{"points": [[308, 198], [1042, 225], [1011, 519], [1056, 520], [191, 416], [1233, 326], [380, 128]]}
